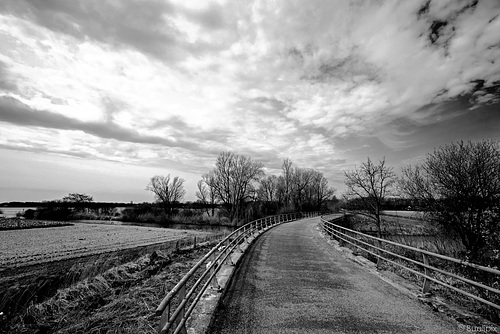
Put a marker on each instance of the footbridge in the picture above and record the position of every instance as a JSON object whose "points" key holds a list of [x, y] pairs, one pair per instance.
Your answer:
{"points": [[284, 275]]}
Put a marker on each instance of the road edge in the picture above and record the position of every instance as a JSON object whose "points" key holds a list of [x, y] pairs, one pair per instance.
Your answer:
{"points": [[436, 303]]}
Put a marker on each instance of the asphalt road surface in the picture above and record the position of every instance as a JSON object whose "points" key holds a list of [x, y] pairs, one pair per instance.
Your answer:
{"points": [[293, 281]]}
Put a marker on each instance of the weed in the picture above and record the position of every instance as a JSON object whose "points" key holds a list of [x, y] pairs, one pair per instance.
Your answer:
{"points": [[119, 300]]}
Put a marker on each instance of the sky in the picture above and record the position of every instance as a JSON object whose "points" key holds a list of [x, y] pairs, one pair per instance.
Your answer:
{"points": [[98, 96]]}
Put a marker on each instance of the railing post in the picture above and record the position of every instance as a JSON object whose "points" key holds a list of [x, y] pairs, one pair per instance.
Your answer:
{"points": [[379, 258], [427, 283], [214, 283], [165, 316], [182, 296]]}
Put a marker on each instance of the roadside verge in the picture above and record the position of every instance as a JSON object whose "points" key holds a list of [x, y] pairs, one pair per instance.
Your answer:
{"points": [[459, 314]]}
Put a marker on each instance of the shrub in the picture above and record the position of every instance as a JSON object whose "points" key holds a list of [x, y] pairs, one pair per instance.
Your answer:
{"points": [[29, 214], [53, 213]]}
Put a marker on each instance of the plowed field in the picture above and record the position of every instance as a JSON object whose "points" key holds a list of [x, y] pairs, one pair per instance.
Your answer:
{"points": [[34, 246], [35, 263]]}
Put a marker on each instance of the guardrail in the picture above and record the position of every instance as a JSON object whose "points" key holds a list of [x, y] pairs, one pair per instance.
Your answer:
{"points": [[358, 240], [204, 273]]}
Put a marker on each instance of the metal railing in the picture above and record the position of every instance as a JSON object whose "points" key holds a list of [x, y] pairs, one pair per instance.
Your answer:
{"points": [[355, 239], [186, 294]]}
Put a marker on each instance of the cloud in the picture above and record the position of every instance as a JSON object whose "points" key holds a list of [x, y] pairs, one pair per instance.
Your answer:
{"points": [[153, 27], [7, 81], [183, 80], [15, 112], [353, 67], [135, 23]]}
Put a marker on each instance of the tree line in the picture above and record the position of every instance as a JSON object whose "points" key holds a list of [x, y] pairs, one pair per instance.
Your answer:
{"points": [[238, 185]]}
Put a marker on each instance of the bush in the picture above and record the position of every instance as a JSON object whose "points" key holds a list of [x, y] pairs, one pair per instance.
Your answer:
{"points": [[53, 213], [29, 214], [145, 212], [83, 216]]}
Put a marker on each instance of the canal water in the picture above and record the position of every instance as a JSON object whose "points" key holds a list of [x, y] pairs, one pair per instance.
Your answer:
{"points": [[12, 212]]}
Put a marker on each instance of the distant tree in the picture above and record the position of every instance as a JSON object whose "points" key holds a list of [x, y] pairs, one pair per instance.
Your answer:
{"points": [[233, 180], [268, 189], [301, 180], [370, 184], [167, 191], [206, 193], [297, 188], [78, 198], [320, 190], [79, 202], [268, 193], [459, 187], [287, 181], [202, 194]]}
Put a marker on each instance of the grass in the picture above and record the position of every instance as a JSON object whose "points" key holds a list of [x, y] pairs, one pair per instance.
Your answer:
{"points": [[422, 235], [121, 299]]}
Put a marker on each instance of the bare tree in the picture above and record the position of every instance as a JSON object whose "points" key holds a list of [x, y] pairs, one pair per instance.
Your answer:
{"points": [[268, 189], [207, 193], [167, 191], [301, 179], [459, 186], [320, 190], [269, 193], [287, 180], [370, 183], [79, 201], [78, 198], [233, 181], [202, 194]]}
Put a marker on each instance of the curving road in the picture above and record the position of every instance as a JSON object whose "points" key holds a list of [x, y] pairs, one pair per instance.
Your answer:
{"points": [[292, 281]]}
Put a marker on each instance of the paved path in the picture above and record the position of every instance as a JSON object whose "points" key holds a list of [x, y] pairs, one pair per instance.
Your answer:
{"points": [[292, 281]]}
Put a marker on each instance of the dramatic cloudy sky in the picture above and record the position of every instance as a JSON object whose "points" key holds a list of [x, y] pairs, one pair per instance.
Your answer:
{"points": [[97, 96]]}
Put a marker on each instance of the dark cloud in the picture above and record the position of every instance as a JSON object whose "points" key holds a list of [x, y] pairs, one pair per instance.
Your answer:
{"points": [[343, 69], [137, 24], [441, 29], [178, 127], [272, 103], [29, 146], [7, 82], [143, 25], [14, 112], [212, 18]]}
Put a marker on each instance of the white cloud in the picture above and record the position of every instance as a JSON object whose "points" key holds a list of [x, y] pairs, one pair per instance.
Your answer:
{"points": [[167, 81]]}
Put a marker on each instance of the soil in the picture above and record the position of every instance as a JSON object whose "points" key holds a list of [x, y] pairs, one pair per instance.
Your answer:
{"points": [[36, 263], [34, 246], [120, 300]]}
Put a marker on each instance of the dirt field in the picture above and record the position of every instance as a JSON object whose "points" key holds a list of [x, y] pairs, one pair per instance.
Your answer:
{"points": [[36, 263], [25, 247]]}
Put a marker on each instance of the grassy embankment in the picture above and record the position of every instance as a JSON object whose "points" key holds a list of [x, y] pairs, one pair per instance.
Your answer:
{"points": [[106, 297], [421, 234]]}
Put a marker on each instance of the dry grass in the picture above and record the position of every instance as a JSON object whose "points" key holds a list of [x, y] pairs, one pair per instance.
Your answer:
{"points": [[120, 300], [430, 239]]}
